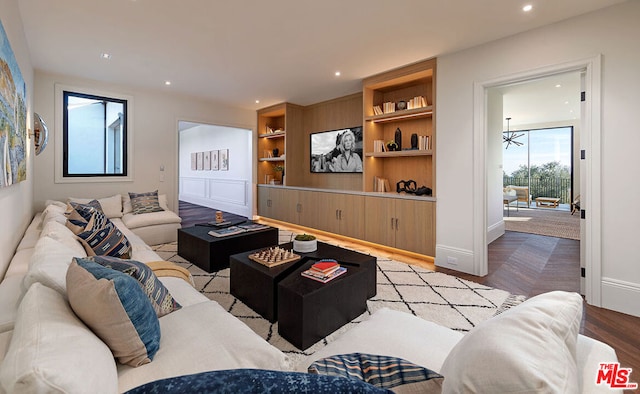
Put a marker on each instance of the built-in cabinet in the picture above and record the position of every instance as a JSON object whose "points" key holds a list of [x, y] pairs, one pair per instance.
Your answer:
{"points": [[400, 102], [401, 223]]}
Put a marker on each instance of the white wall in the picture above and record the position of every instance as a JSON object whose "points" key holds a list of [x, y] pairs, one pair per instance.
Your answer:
{"points": [[155, 138], [495, 210], [16, 200], [612, 32], [230, 190]]}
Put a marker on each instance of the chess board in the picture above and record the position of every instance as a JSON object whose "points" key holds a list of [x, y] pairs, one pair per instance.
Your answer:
{"points": [[274, 256]]}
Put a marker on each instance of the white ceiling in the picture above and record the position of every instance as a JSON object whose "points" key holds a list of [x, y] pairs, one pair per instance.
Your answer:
{"points": [[273, 51]]}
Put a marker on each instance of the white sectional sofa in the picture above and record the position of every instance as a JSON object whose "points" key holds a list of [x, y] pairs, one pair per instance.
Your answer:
{"points": [[45, 347]]}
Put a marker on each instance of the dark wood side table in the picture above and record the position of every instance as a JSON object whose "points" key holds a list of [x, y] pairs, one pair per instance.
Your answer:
{"points": [[309, 310], [212, 253]]}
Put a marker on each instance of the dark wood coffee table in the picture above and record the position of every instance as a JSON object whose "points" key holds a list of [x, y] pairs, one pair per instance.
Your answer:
{"points": [[257, 285], [309, 310], [212, 253]]}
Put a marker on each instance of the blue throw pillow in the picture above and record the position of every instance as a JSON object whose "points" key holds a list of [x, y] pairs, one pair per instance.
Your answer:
{"points": [[116, 309], [256, 381], [162, 301], [98, 234]]}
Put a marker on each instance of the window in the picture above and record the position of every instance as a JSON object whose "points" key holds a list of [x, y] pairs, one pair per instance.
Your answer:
{"points": [[94, 130]]}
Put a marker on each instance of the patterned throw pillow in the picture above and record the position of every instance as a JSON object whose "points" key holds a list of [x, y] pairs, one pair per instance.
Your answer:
{"points": [[381, 371], [116, 309], [145, 202], [162, 301], [98, 234]]}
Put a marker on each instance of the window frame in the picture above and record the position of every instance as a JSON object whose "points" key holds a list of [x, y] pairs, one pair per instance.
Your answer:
{"points": [[61, 173]]}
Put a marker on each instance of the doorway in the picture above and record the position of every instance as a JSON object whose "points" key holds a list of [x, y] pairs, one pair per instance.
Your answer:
{"points": [[487, 119]]}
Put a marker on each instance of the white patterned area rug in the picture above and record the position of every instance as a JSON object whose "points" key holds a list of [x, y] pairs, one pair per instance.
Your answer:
{"points": [[444, 299]]}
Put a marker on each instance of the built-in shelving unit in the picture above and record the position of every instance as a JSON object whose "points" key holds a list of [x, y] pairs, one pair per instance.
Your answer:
{"points": [[390, 90]]}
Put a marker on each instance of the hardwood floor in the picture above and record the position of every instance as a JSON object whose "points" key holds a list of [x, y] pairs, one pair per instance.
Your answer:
{"points": [[525, 264]]}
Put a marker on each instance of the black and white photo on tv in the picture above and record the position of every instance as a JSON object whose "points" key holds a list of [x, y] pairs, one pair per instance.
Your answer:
{"points": [[337, 150]]}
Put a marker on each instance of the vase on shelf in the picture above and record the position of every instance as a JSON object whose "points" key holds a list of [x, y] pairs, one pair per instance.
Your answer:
{"points": [[398, 138]]}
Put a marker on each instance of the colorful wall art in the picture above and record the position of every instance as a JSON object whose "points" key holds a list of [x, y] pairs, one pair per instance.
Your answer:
{"points": [[13, 117]]}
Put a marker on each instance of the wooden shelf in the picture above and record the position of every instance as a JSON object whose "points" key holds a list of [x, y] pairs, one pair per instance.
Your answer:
{"points": [[415, 113], [273, 135], [402, 153], [271, 159]]}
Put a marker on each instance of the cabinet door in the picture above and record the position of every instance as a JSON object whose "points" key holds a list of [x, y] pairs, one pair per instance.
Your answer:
{"points": [[379, 220], [283, 204], [328, 215], [351, 215], [264, 208], [307, 208], [416, 226]]}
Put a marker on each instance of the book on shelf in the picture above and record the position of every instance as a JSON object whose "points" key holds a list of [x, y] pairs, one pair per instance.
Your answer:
{"points": [[320, 277], [388, 107], [417, 102], [378, 146], [225, 232], [377, 110], [381, 184], [424, 142]]}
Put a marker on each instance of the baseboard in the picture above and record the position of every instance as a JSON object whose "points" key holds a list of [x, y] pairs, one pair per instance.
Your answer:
{"points": [[621, 296], [455, 259], [495, 231]]}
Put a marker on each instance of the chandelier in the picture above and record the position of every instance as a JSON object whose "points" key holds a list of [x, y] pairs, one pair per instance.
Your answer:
{"points": [[510, 137]]}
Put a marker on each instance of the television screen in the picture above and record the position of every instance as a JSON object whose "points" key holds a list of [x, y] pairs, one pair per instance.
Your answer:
{"points": [[337, 150]]}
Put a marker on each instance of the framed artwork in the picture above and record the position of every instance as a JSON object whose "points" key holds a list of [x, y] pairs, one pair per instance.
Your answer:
{"points": [[215, 165], [200, 161], [207, 160], [13, 117], [224, 159], [194, 161]]}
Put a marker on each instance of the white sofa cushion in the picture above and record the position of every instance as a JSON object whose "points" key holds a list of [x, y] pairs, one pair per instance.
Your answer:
{"points": [[19, 263], [202, 337], [111, 206], [393, 333], [182, 291], [529, 348], [32, 233], [11, 295], [62, 233], [51, 350], [49, 264], [53, 212], [134, 221]]}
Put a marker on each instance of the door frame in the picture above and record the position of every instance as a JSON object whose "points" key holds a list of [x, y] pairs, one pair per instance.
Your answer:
{"points": [[590, 141]]}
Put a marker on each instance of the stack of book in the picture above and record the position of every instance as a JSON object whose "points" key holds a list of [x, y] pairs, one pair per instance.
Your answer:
{"points": [[388, 107], [417, 102], [424, 142], [378, 146], [324, 270]]}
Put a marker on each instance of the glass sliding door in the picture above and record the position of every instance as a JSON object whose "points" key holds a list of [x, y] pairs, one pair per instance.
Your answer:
{"points": [[542, 161]]}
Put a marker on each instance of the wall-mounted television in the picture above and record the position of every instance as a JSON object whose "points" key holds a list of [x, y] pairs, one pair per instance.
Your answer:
{"points": [[337, 150]]}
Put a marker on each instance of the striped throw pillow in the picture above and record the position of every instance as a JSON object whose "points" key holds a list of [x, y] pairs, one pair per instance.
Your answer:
{"points": [[381, 371], [145, 202]]}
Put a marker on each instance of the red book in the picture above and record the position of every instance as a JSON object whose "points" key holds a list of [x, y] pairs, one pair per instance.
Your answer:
{"points": [[325, 266]]}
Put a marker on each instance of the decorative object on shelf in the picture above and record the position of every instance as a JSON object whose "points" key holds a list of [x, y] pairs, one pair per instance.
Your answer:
{"points": [[510, 137], [398, 138], [392, 146], [305, 243], [279, 168], [414, 141], [423, 191], [401, 105], [406, 186], [275, 152]]}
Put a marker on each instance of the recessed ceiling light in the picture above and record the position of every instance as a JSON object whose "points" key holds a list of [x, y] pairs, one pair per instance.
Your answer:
{"points": [[105, 55], [337, 73], [167, 83], [257, 101], [558, 86], [566, 102], [527, 8]]}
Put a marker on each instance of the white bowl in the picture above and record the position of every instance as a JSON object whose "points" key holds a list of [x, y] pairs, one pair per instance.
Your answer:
{"points": [[305, 246]]}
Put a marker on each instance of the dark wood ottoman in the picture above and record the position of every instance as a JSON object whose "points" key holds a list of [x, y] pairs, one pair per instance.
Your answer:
{"points": [[309, 310], [212, 253], [257, 285]]}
